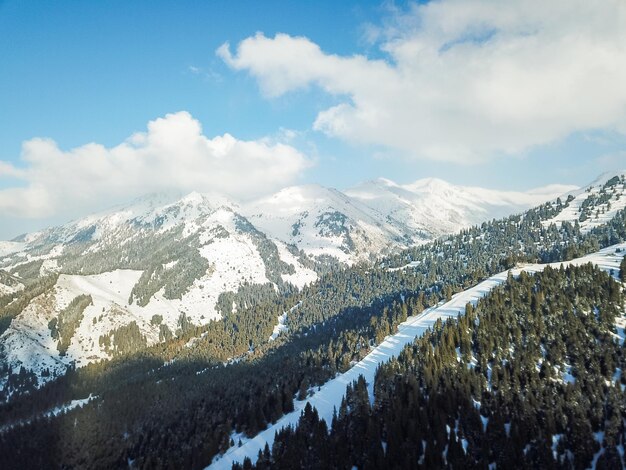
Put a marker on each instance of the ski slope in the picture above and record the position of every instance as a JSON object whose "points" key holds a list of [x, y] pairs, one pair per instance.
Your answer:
{"points": [[329, 397]]}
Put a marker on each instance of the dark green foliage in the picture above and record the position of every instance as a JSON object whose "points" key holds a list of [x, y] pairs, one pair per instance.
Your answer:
{"points": [[28, 271], [175, 280], [83, 235], [146, 250], [19, 301], [62, 328], [612, 182], [9, 280], [126, 339], [508, 374], [165, 334], [198, 400], [600, 201]]}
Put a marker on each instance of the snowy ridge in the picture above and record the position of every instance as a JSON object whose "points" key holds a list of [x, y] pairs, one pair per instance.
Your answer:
{"points": [[362, 222], [282, 323], [435, 207], [79, 403], [323, 221], [594, 205], [379, 216], [204, 230], [223, 245], [329, 397], [234, 260]]}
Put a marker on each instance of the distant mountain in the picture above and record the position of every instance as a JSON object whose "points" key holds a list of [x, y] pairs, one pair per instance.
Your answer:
{"points": [[325, 222], [434, 207], [162, 264], [6, 248]]}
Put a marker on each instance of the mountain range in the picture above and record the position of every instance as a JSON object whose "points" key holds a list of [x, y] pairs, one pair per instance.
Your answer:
{"points": [[163, 263], [179, 330]]}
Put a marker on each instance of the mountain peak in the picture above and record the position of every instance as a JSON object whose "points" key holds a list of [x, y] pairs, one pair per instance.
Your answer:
{"points": [[606, 176], [429, 185], [212, 200]]}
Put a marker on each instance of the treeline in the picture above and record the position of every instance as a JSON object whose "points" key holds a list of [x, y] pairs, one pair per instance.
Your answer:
{"points": [[530, 378]]}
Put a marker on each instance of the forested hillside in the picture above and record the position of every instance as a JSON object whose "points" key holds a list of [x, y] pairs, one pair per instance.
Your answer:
{"points": [[530, 378], [185, 399]]}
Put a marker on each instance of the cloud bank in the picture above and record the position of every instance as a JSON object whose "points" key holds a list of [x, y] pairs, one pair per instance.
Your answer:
{"points": [[462, 81], [173, 155]]}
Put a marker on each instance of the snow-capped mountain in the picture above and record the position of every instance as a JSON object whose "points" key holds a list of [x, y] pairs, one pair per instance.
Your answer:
{"points": [[327, 222], [150, 269], [6, 248], [434, 207]]}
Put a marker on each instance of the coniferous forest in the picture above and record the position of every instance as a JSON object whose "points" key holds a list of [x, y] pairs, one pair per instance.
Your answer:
{"points": [[530, 378], [177, 403]]}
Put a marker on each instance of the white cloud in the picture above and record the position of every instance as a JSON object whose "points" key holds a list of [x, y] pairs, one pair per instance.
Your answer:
{"points": [[173, 155], [463, 81], [9, 170]]}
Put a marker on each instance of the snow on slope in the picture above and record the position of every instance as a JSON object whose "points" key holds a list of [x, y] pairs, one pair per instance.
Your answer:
{"points": [[9, 284], [56, 411], [28, 341], [203, 226], [303, 275], [234, 260], [6, 248], [367, 221], [159, 212], [436, 207], [329, 397], [323, 221], [606, 201]]}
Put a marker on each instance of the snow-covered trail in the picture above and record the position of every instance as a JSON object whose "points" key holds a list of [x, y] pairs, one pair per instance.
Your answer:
{"points": [[330, 395]]}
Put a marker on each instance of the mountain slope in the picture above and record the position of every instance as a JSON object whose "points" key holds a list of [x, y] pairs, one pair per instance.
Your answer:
{"points": [[182, 385], [328, 398], [470, 391], [164, 264], [434, 207], [594, 205], [325, 222], [150, 274]]}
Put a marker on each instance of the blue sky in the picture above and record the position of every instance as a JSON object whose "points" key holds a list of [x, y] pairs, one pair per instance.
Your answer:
{"points": [[98, 72]]}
